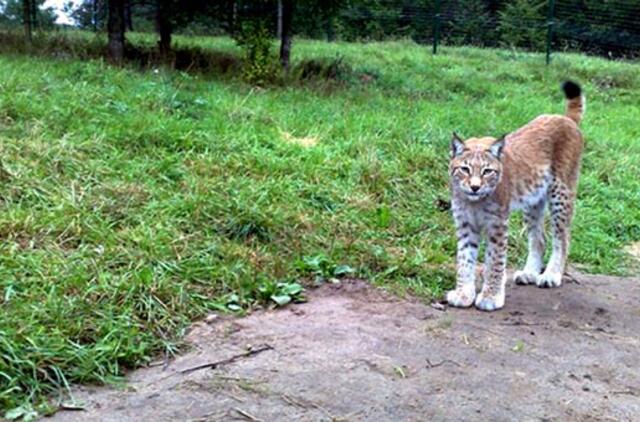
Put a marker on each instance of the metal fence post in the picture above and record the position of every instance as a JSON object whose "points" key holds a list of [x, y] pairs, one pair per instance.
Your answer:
{"points": [[436, 26], [550, 23]]}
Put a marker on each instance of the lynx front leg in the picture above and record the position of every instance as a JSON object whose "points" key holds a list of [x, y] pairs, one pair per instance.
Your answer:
{"points": [[465, 291], [492, 295]]}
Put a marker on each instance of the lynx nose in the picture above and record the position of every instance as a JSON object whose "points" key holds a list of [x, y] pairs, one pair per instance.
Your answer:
{"points": [[475, 188]]}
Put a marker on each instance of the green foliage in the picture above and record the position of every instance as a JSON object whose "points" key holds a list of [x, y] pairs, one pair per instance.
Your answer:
{"points": [[281, 293], [260, 64], [12, 14], [117, 233], [611, 28], [471, 24], [522, 24], [322, 268]]}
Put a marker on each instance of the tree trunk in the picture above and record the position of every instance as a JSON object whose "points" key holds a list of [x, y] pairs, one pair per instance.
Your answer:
{"points": [[232, 17], [279, 31], [331, 33], [285, 40], [115, 27], [34, 15], [94, 15], [164, 27], [128, 20], [26, 18]]}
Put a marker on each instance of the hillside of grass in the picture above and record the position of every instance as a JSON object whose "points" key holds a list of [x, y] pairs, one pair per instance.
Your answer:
{"points": [[134, 202]]}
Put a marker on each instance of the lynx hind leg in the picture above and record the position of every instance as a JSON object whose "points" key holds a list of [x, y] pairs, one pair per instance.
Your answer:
{"points": [[534, 219], [561, 208]]}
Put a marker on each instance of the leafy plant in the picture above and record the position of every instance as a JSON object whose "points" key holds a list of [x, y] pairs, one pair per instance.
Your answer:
{"points": [[281, 293], [260, 64], [322, 268]]}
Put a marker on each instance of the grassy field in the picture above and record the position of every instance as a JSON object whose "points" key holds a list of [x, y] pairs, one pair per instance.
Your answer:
{"points": [[136, 201]]}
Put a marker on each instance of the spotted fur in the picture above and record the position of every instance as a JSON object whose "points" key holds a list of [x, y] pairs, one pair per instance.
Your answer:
{"points": [[536, 166]]}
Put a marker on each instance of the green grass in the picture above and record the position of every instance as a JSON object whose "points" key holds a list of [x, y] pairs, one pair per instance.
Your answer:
{"points": [[134, 202]]}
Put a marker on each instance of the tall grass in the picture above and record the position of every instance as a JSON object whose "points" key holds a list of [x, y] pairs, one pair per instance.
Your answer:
{"points": [[136, 201]]}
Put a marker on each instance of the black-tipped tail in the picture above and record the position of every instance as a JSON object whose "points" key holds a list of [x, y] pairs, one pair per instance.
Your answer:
{"points": [[576, 103], [571, 90]]}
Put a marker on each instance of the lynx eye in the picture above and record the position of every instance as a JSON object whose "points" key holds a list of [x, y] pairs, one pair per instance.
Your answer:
{"points": [[488, 172], [465, 169]]}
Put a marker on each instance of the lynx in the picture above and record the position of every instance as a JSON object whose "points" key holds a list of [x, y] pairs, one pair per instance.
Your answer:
{"points": [[538, 165]]}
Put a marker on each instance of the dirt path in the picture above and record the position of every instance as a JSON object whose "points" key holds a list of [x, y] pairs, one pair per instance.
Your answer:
{"points": [[354, 353]]}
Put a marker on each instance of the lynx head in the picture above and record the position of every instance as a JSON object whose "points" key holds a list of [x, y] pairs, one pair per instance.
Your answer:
{"points": [[476, 167]]}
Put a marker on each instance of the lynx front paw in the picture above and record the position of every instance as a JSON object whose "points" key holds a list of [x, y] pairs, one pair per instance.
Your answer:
{"points": [[549, 280], [486, 302], [461, 298], [525, 277]]}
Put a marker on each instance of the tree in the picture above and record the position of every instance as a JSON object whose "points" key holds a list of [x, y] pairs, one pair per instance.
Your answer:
{"points": [[164, 24], [471, 23], [27, 19], [128, 19], [279, 30], [285, 40], [116, 28], [522, 24], [20, 13], [171, 15], [90, 14]]}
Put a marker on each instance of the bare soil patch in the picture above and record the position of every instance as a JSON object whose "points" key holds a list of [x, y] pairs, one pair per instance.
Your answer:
{"points": [[356, 353]]}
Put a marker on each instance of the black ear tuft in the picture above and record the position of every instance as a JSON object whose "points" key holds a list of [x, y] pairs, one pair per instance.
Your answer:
{"points": [[457, 145], [571, 90], [497, 147]]}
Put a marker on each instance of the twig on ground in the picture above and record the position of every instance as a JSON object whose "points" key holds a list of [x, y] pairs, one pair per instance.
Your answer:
{"points": [[322, 409], [232, 359], [233, 396], [435, 365], [165, 364], [516, 323], [247, 415], [629, 392], [211, 416], [570, 278], [72, 406], [293, 402]]}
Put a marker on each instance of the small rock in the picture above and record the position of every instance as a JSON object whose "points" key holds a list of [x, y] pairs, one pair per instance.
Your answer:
{"points": [[211, 319], [438, 306]]}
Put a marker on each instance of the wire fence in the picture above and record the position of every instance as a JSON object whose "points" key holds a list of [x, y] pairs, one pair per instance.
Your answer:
{"points": [[610, 28]]}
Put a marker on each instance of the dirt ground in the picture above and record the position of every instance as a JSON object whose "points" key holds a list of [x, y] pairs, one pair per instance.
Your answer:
{"points": [[355, 353]]}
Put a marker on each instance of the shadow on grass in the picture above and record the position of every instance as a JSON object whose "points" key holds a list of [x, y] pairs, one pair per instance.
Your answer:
{"points": [[323, 72]]}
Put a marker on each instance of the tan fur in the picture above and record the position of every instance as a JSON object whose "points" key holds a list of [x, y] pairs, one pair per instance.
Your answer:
{"points": [[575, 109], [534, 166]]}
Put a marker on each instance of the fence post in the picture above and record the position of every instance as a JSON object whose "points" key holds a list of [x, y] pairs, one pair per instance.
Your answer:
{"points": [[550, 23], [436, 26]]}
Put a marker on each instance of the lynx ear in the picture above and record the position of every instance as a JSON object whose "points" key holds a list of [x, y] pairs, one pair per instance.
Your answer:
{"points": [[457, 145], [496, 148]]}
